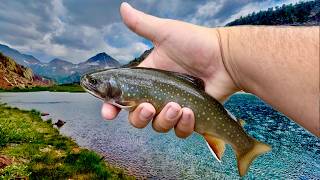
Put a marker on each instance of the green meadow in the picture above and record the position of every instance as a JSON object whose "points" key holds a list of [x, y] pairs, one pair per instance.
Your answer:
{"points": [[36, 150]]}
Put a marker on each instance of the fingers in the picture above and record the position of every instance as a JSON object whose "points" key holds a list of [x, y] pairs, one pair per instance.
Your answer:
{"points": [[142, 115], [185, 126], [167, 118], [171, 116], [143, 24], [109, 111]]}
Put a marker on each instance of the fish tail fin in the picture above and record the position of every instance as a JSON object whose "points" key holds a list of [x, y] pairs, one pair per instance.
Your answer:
{"points": [[215, 145], [245, 159]]}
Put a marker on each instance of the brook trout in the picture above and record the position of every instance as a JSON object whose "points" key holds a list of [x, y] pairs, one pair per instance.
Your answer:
{"points": [[128, 87]]}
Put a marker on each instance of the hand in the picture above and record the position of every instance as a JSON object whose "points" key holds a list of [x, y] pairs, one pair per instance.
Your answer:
{"points": [[179, 47]]}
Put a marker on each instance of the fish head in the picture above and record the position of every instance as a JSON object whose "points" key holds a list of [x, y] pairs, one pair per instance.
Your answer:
{"points": [[101, 85]]}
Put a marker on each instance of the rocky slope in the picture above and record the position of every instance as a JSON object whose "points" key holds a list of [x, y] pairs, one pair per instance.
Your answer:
{"points": [[15, 75]]}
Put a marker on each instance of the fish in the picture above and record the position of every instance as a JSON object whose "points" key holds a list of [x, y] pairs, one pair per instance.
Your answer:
{"points": [[126, 88]]}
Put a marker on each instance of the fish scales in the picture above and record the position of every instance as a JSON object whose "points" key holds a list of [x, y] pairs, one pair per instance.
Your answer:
{"points": [[160, 89], [129, 87]]}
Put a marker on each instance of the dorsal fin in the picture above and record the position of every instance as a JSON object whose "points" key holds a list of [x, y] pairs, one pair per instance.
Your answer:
{"points": [[199, 83]]}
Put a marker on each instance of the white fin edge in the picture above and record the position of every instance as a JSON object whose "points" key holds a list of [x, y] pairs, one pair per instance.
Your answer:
{"points": [[120, 106], [212, 152]]}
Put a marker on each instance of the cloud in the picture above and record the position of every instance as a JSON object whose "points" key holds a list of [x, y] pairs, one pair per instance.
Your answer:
{"points": [[78, 29]]}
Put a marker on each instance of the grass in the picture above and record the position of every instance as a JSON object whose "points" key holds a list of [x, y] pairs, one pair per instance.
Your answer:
{"points": [[38, 151], [54, 88]]}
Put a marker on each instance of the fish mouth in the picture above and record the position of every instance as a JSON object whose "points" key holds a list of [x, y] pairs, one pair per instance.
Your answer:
{"points": [[88, 87]]}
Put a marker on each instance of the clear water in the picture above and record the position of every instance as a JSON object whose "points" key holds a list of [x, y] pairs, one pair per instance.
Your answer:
{"points": [[145, 153]]}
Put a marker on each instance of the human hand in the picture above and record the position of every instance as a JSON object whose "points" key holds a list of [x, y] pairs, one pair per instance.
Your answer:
{"points": [[180, 47]]}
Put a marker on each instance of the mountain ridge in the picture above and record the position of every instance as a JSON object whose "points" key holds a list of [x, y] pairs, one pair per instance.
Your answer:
{"points": [[60, 69]]}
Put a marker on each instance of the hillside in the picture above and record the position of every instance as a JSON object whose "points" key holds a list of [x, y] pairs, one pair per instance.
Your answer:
{"points": [[303, 13], [15, 75], [138, 60]]}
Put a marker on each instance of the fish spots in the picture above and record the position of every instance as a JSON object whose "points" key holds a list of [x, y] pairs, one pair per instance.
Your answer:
{"points": [[208, 119]]}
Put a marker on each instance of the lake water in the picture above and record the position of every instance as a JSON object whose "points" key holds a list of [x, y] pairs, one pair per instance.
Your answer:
{"points": [[145, 153]]}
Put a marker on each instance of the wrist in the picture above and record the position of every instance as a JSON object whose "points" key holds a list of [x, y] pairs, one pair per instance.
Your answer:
{"points": [[221, 84], [227, 56]]}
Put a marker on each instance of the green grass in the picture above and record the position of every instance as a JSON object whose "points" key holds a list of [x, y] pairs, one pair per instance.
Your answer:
{"points": [[54, 88], [38, 151]]}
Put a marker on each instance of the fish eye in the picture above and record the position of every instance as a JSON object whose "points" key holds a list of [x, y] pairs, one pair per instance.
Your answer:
{"points": [[92, 80]]}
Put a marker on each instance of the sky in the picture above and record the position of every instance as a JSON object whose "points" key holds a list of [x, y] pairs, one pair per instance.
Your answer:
{"points": [[76, 30]]}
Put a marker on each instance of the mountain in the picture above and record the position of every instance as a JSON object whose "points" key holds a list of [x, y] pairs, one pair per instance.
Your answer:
{"points": [[302, 13], [102, 59], [62, 71], [138, 60], [59, 62], [22, 59], [99, 61], [13, 75]]}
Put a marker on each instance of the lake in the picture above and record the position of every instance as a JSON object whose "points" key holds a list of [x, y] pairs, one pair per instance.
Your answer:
{"points": [[145, 153]]}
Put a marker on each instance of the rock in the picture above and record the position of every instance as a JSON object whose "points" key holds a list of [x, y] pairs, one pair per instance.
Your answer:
{"points": [[4, 161], [59, 123], [44, 114]]}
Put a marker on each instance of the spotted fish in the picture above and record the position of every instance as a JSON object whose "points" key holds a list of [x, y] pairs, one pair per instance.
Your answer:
{"points": [[128, 87]]}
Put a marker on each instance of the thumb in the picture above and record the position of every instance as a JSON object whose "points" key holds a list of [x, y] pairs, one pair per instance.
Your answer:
{"points": [[143, 24]]}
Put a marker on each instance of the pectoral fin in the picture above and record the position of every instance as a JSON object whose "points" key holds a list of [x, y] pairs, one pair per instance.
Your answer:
{"points": [[216, 146], [127, 105]]}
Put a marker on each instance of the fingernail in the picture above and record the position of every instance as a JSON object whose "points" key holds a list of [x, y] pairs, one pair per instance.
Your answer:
{"points": [[145, 114], [172, 112]]}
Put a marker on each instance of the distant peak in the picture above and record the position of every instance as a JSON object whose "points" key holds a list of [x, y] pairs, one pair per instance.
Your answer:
{"points": [[103, 59], [57, 60], [102, 55]]}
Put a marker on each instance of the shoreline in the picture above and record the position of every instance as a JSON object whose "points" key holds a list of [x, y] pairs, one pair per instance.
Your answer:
{"points": [[55, 88], [30, 147]]}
